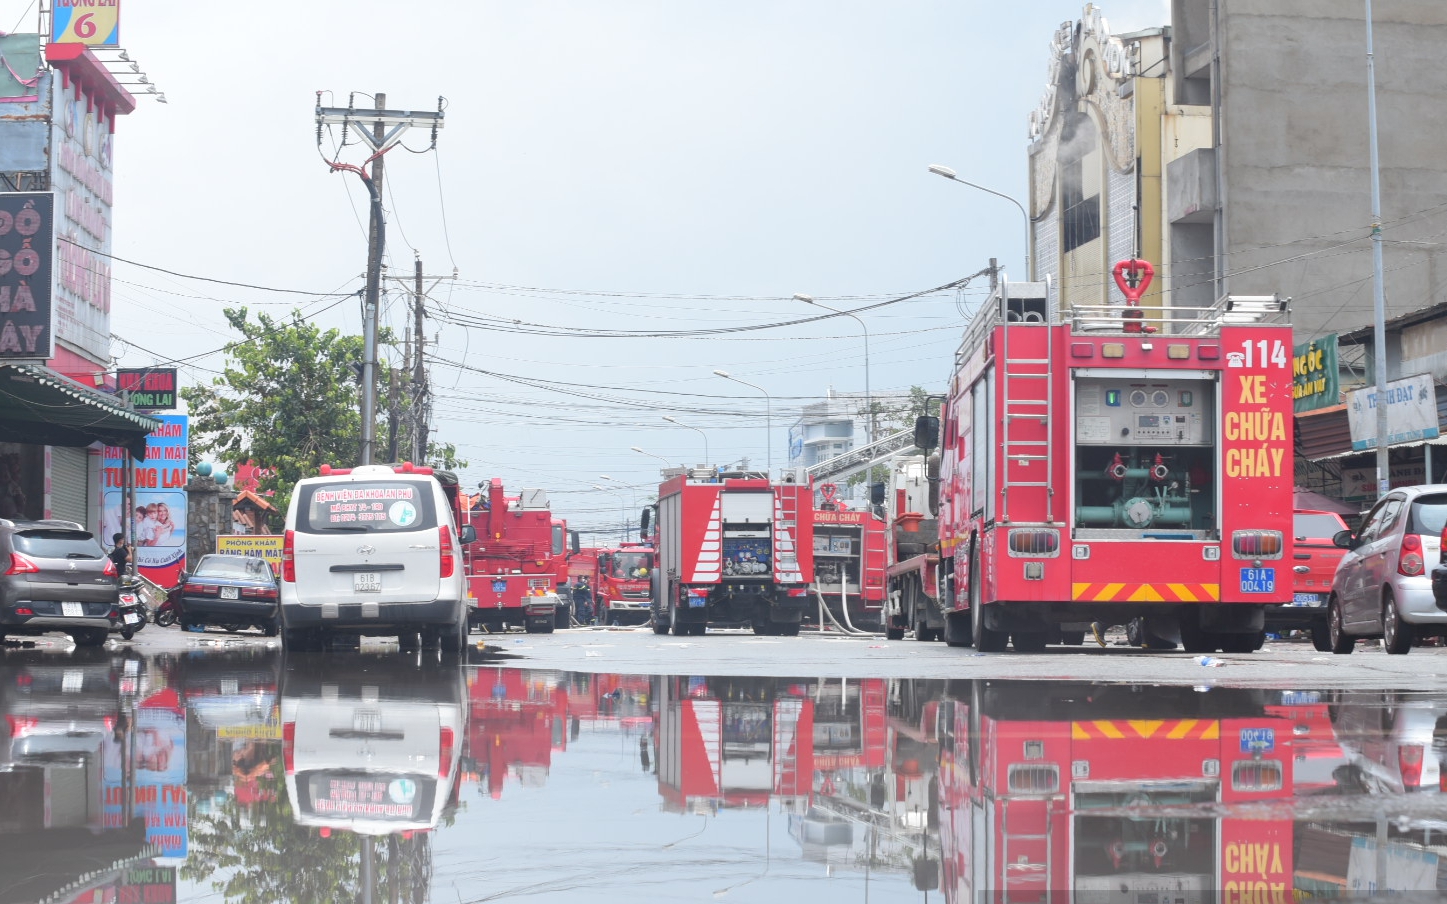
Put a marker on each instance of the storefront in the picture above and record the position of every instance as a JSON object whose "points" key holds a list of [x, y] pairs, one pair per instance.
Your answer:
{"points": [[51, 431]]}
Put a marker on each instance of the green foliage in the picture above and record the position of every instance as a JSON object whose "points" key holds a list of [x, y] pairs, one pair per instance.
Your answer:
{"points": [[288, 399], [892, 417]]}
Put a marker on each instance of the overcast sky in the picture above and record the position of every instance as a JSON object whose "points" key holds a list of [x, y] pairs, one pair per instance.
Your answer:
{"points": [[621, 165]]}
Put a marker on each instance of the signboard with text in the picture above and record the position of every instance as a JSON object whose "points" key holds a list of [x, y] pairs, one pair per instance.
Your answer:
{"points": [[93, 22], [1411, 412], [27, 256], [1315, 373], [150, 388], [156, 518], [80, 175], [261, 546]]}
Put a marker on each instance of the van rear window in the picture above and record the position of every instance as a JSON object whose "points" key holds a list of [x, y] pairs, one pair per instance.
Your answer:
{"points": [[380, 506]]}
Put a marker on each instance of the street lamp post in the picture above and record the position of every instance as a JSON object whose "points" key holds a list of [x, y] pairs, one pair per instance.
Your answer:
{"points": [[768, 414], [622, 510], [950, 174], [666, 462], [632, 489], [707, 462], [868, 396]]}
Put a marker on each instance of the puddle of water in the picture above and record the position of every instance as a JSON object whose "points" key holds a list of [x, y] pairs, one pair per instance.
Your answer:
{"points": [[231, 774]]}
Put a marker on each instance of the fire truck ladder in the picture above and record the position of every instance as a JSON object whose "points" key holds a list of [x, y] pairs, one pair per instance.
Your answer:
{"points": [[1023, 403], [855, 460], [1026, 878]]}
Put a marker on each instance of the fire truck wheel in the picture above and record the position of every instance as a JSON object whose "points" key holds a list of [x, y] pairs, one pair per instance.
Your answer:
{"points": [[659, 627], [958, 632], [893, 633], [1341, 641], [1194, 638], [1072, 638], [1028, 641], [987, 640], [1242, 643], [789, 629], [680, 630]]}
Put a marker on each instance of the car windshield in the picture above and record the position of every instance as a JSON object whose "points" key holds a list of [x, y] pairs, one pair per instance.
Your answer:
{"points": [[233, 567], [1315, 525], [58, 544], [373, 506], [631, 565], [1429, 515]]}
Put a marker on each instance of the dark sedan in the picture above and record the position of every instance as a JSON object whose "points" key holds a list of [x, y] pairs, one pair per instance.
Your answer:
{"points": [[231, 592]]}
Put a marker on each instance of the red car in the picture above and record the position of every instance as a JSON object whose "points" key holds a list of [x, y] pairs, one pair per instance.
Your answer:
{"points": [[1315, 560]]}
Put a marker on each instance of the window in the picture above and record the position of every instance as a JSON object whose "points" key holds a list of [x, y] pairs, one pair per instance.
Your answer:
{"points": [[1079, 207]]}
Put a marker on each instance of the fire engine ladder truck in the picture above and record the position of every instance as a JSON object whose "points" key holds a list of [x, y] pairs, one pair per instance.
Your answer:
{"points": [[1026, 878], [855, 460], [1029, 396]]}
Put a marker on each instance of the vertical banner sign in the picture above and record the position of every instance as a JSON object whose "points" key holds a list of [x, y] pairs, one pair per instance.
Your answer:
{"points": [[94, 22], [1257, 466], [1314, 374], [80, 175], [157, 517], [27, 253]]}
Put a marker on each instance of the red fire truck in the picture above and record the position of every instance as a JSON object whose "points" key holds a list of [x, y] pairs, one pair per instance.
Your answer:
{"points": [[848, 561], [512, 569], [518, 719], [1100, 464], [1065, 791], [621, 589], [733, 549]]}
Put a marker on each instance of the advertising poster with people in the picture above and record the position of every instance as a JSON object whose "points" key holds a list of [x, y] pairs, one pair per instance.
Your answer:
{"points": [[155, 517], [159, 759]]}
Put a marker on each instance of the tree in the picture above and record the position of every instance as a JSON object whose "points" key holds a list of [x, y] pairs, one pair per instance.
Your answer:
{"points": [[891, 417]]}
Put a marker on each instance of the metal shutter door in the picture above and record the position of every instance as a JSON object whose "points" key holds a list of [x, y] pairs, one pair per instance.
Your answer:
{"points": [[69, 473]]}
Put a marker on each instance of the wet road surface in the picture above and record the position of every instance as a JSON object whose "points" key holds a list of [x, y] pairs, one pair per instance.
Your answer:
{"points": [[589, 766]]}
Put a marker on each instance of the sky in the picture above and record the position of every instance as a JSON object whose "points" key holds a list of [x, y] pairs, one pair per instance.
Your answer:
{"points": [[656, 167]]}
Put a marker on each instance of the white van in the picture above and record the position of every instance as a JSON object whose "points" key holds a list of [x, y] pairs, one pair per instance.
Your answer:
{"points": [[373, 550]]}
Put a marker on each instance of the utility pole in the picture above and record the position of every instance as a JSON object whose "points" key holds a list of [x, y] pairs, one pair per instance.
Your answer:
{"points": [[419, 372], [387, 128]]}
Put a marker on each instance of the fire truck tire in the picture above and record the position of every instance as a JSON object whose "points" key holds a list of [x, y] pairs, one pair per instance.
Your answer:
{"points": [[658, 626], [697, 630], [922, 630], [1194, 638], [1242, 643], [957, 631], [987, 640], [1072, 638], [893, 633], [1321, 637], [1028, 641], [1341, 641], [785, 629]]}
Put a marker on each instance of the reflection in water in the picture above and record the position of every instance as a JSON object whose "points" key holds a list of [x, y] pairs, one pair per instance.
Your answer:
{"points": [[252, 777]]}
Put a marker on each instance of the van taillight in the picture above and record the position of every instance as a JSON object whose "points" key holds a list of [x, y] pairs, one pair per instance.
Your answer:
{"points": [[444, 752], [1409, 562], [1409, 758], [444, 540], [288, 557], [22, 564], [288, 747]]}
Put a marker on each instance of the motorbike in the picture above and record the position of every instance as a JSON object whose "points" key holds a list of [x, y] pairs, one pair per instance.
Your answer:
{"points": [[169, 612], [133, 611]]}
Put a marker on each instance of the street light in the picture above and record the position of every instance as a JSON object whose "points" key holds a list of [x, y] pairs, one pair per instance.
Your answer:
{"points": [[666, 462], [868, 396], [707, 462], [622, 510], [768, 414], [950, 174]]}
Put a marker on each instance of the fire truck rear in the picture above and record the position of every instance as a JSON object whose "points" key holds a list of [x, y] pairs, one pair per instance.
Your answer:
{"points": [[849, 561], [512, 572], [1106, 463], [1083, 792], [733, 549]]}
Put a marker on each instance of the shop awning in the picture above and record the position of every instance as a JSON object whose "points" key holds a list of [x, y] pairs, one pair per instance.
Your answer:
{"points": [[40, 406]]}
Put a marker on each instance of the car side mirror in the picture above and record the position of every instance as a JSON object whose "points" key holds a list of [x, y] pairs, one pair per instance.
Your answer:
{"points": [[643, 522], [926, 432], [574, 542], [876, 494], [467, 534], [1344, 539]]}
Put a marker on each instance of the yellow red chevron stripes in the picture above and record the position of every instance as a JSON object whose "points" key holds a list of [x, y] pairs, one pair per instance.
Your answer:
{"points": [[1146, 593], [1136, 729]]}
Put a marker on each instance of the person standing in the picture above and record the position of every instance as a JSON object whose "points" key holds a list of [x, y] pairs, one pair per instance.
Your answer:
{"points": [[120, 555]]}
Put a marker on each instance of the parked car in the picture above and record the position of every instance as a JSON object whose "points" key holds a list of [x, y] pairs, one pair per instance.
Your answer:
{"points": [[1315, 557], [231, 592], [1381, 588], [57, 578]]}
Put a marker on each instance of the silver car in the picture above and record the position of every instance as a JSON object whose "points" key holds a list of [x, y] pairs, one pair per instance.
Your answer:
{"points": [[1382, 587]]}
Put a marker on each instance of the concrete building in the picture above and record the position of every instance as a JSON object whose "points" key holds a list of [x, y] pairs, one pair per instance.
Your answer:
{"points": [[1229, 148], [836, 425]]}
